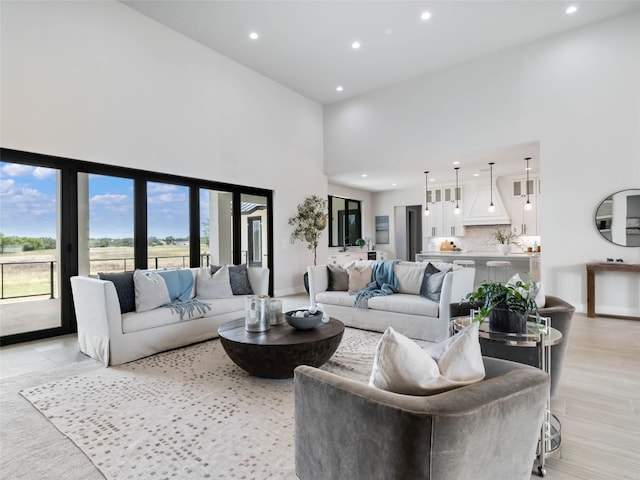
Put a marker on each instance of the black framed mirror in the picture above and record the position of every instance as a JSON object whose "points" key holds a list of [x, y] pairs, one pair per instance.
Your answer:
{"points": [[345, 221], [617, 218]]}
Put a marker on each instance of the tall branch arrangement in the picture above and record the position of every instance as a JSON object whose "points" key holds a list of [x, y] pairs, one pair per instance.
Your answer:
{"points": [[309, 222]]}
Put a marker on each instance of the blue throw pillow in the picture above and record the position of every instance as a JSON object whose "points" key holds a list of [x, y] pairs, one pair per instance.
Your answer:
{"points": [[123, 281], [432, 282], [179, 283]]}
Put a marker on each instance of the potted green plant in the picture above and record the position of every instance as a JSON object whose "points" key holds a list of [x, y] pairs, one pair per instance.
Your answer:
{"points": [[360, 242], [505, 238], [507, 306], [308, 224]]}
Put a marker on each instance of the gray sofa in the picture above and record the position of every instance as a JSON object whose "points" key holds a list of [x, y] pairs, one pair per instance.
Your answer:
{"points": [[348, 430]]}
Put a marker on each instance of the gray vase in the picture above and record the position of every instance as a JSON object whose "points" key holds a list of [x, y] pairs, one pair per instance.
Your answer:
{"points": [[504, 320]]}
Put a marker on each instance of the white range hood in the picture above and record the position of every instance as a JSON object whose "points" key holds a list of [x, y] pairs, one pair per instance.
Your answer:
{"points": [[476, 204]]}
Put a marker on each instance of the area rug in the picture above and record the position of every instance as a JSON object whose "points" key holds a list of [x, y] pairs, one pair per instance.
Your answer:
{"points": [[187, 413]]}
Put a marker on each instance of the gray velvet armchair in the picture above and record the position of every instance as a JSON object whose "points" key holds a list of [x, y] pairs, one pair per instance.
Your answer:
{"points": [[561, 314], [348, 430]]}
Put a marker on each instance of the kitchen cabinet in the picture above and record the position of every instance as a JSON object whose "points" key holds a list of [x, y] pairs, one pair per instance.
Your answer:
{"points": [[340, 258], [525, 222], [442, 221]]}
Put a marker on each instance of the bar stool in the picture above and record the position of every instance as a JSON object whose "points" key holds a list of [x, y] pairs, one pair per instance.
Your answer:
{"points": [[465, 263], [499, 270]]}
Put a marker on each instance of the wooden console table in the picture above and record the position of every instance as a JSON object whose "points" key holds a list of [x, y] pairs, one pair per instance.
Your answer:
{"points": [[592, 269]]}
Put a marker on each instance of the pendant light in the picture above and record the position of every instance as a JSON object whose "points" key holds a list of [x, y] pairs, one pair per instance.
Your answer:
{"points": [[456, 210], [528, 206], [492, 207], [426, 194]]}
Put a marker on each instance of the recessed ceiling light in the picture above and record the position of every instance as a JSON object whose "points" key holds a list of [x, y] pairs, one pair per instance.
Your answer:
{"points": [[394, 184], [355, 45], [571, 9], [253, 36], [456, 163], [364, 175], [425, 16], [476, 174], [339, 88], [388, 31]]}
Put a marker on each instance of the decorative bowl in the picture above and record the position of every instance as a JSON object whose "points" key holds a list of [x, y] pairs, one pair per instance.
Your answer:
{"points": [[303, 323]]}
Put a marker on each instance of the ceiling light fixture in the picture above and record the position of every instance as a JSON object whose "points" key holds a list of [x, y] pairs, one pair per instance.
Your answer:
{"points": [[355, 45], [364, 175], [426, 194], [339, 88], [456, 210], [528, 205], [571, 9], [253, 36], [492, 207], [425, 16]]}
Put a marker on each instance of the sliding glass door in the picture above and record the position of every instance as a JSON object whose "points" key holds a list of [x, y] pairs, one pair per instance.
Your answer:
{"points": [[29, 248]]}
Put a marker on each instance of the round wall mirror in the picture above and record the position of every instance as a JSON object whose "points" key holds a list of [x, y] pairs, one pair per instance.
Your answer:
{"points": [[618, 218]]}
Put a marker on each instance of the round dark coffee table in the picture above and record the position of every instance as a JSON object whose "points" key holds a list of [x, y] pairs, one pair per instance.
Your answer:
{"points": [[278, 351]]}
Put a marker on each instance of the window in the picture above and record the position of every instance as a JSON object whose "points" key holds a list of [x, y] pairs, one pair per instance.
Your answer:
{"points": [[63, 217], [167, 225], [345, 221]]}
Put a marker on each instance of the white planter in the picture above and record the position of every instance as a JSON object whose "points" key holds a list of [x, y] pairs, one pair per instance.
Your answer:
{"points": [[504, 249]]}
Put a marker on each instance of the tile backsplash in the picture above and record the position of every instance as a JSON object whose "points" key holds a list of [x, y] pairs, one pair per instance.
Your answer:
{"points": [[477, 238]]}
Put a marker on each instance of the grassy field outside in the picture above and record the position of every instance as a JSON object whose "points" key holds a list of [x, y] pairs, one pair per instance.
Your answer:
{"points": [[29, 273]]}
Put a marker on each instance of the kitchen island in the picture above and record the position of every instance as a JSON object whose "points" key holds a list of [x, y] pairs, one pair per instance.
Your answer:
{"points": [[521, 262]]}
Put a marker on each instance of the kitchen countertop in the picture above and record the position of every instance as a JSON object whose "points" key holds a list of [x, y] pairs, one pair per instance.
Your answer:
{"points": [[481, 254]]}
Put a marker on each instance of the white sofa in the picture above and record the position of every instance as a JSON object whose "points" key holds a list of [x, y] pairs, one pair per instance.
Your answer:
{"points": [[408, 313], [112, 337]]}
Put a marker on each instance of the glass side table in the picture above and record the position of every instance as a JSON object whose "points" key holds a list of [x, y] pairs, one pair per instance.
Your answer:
{"points": [[542, 336]]}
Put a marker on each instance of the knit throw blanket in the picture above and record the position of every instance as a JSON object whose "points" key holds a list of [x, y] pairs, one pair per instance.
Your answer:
{"points": [[188, 308], [383, 282]]}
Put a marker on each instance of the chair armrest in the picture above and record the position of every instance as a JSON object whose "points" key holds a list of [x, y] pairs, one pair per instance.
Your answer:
{"points": [[259, 280], [98, 315], [318, 281], [456, 285]]}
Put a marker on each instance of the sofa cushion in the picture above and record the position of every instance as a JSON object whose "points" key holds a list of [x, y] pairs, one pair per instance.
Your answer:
{"points": [[238, 278], [338, 279], [213, 285], [409, 276], [359, 278], [335, 298], [150, 289], [404, 303], [179, 283], [123, 281], [432, 282], [402, 366], [537, 293]]}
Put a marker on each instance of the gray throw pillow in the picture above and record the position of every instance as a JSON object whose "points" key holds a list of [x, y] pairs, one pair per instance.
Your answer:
{"points": [[338, 279], [432, 282], [239, 279], [123, 281]]}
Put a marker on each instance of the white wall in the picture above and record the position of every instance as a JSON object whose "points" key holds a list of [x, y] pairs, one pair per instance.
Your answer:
{"points": [[98, 81], [577, 94]]}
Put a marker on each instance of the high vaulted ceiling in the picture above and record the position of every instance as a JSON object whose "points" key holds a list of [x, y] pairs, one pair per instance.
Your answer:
{"points": [[307, 47]]}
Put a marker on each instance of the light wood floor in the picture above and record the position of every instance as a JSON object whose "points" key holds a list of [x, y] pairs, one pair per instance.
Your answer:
{"points": [[598, 401]]}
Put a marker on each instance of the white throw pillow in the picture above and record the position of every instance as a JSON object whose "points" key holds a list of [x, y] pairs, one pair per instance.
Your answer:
{"points": [[537, 293], [409, 277], [401, 366], [211, 286], [359, 278], [150, 290]]}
